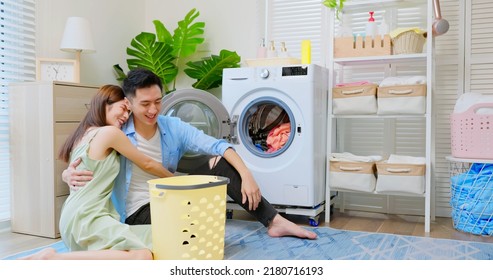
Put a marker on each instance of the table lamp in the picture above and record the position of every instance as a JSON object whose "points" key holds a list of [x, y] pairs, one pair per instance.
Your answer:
{"points": [[77, 37]]}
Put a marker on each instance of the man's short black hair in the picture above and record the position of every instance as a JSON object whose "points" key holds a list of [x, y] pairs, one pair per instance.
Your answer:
{"points": [[140, 78]]}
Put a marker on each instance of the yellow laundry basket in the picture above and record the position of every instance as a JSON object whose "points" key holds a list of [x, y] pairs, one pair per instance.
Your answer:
{"points": [[188, 217]]}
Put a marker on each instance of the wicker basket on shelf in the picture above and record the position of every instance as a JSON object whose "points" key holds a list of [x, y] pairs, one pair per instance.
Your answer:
{"points": [[408, 42]]}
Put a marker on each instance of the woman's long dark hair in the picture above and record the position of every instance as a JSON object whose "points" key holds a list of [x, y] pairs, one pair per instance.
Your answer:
{"points": [[96, 116]]}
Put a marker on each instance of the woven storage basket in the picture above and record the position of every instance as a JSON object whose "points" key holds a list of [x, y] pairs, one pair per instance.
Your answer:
{"points": [[408, 42], [400, 177], [354, 100], [356, 176]]}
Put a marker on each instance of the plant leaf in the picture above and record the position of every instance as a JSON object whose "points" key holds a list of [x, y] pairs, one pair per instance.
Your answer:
{"points": [[337, 5], [120, 74], [163, 35], [209, 71], [341, 4], [188, 35], [330, 3], [153, 55], [161, 53]]}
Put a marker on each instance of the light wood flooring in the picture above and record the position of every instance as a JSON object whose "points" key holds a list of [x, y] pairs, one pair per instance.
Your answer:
{"points": [[11, 243], [384, 223]]}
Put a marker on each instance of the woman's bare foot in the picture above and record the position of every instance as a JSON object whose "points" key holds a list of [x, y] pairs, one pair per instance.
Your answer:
{"points": [[45, 254], [280, 226]]}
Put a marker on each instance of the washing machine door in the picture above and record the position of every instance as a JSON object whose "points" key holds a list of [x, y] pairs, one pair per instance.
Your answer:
{"points": [[202, 110]]}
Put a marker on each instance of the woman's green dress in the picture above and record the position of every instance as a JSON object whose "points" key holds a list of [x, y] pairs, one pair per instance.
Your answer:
{"points": [[89, 220]]}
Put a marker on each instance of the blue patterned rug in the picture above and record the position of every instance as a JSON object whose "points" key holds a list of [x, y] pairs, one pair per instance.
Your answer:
{"points": [[249, 241]]}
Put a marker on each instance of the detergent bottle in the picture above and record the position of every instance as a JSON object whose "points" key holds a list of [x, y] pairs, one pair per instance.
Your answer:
{"points": [[371, 28], [383, 28]]}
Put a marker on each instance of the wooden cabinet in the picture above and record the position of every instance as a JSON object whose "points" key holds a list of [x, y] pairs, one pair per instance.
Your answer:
{"points": [[42, 115]]}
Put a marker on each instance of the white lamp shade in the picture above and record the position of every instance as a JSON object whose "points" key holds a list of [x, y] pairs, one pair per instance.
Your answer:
{"points": [[77, 36]]}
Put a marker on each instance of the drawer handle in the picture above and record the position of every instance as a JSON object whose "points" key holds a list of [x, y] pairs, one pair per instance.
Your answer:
{"points": [[344, 168], [356, 91], [88, 106], [399, 170], [405, 91]]}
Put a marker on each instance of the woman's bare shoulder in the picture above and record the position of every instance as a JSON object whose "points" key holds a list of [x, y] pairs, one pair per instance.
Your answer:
{"points": [[111, 131]]}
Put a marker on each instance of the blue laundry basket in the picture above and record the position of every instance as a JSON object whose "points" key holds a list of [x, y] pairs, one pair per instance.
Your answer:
{"points": [[472, 197]]}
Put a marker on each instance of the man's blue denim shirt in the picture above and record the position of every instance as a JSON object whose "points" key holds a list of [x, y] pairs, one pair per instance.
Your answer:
{"points": [[177, 138]]}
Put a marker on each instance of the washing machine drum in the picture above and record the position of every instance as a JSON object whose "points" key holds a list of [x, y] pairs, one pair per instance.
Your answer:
{"points": [[269, 127], [201, 110]]}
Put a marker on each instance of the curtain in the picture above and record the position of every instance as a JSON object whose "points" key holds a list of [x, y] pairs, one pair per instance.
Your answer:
{"points": [[17, 64]]}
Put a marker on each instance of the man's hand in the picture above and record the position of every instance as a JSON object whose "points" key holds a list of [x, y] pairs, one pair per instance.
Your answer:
{"points": [[76, 178], [250, 192]]}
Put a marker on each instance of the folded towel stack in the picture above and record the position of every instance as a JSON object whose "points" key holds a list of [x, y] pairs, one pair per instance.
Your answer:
{"points": [[398, 31], [403, 80], [353, 158], [466, 100], [406, 159], [352, 84]]}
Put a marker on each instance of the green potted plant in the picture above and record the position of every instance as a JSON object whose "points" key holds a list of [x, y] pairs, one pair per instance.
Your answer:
{"points": [[337, 5], [162, 53]]}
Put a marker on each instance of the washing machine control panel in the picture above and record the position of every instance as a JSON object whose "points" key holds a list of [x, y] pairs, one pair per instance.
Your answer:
{"points": [[264, 73], [295, 71]]}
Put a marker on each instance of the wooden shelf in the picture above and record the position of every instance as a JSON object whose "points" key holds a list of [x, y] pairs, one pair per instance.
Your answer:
{"points": [[363, 5], [378, 193], [378, 116], [386, 59]]}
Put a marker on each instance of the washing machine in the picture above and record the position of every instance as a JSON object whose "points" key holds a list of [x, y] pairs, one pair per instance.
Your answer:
{"points": [[276, 119]]}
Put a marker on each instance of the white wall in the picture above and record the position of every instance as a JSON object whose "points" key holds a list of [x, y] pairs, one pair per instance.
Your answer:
{"points": [[114, 23], [230, 24]]}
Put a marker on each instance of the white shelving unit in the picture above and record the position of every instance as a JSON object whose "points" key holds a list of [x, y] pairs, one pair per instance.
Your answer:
{"points": [[388, 63]]}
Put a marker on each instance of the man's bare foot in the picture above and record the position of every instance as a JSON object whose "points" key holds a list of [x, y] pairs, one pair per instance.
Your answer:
{"points": [[280, 226], [45, 254]]}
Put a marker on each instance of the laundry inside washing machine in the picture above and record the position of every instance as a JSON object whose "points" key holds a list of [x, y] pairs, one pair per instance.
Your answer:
{"points": [[269, 127]]}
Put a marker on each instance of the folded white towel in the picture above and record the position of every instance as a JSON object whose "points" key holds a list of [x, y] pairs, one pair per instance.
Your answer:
{"points": [[406, 159], [403, 80], [468, 99], [353, 158]]}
